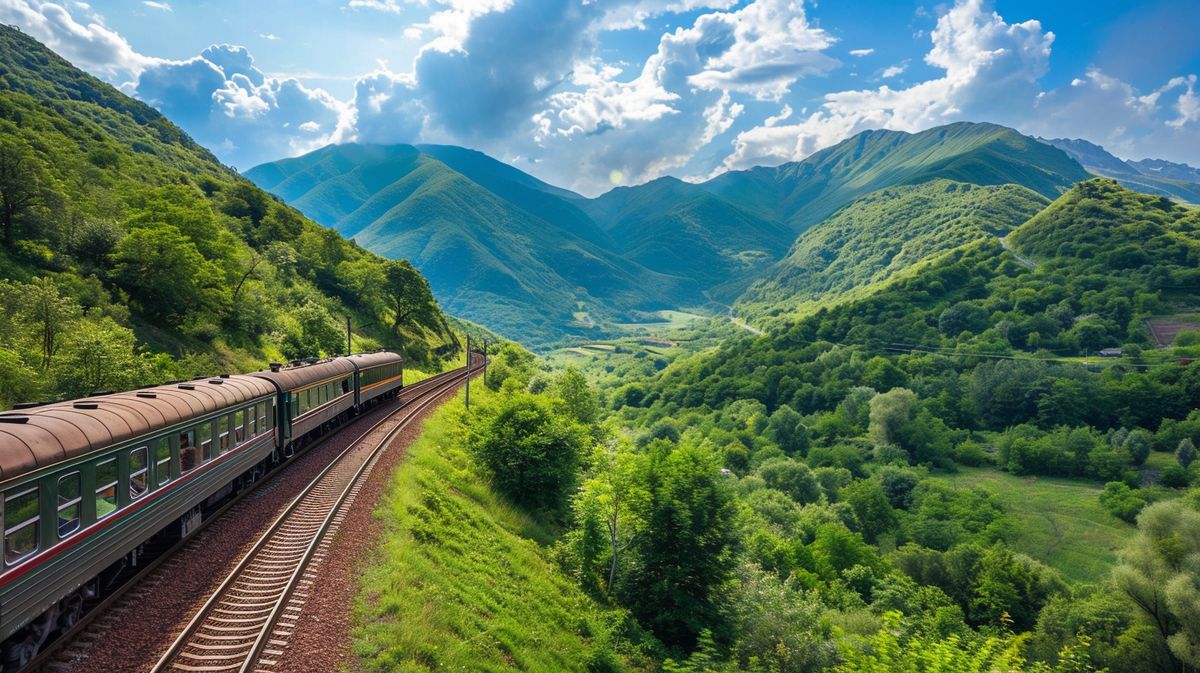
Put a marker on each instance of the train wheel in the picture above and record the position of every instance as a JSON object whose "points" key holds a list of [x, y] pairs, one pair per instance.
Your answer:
{"points": [[71, 611], [17, 655]]}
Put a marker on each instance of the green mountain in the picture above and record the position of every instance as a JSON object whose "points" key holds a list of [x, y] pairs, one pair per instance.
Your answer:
{"points": [[1149, 176], [883, 233], [139, 246], [801, 194], [497, 246], [677, 228]]}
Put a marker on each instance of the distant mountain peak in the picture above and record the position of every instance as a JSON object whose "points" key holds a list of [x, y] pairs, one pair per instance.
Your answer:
{"points": [[1152, 176]]}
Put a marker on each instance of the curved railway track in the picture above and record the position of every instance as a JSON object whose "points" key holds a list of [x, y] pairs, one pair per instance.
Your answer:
{"points": [[246, 622]]}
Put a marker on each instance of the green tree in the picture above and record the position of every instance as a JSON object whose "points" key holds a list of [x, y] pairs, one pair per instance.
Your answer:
{"points": [[1159, 572], [615, 493], [871, 507], [531, 450], [791, 477], [48, 312], [409, 297], [1186, 453], [786, 429], [573, 389], [889, 412], [96, 355], [20, 188], [677, 587], [317, 334], [163, 272]]}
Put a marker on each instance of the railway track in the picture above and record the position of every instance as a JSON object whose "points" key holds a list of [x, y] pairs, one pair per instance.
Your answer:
{"points": [[59, 655], [247, 621]]}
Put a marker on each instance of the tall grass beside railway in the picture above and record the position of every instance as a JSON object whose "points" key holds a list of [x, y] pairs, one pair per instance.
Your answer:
{"points": [[459, 582]]}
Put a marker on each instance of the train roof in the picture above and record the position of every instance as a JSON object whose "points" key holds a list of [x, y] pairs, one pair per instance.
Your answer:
{"points": [[375, 359], [39, 437], [301, 375]]}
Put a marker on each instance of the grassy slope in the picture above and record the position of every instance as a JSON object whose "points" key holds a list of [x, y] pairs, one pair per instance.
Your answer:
{"points": [[1057, 521], [886, 232], [458, 583]]}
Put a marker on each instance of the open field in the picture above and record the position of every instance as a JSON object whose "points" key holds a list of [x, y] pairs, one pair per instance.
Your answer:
{"points": [[1057, 521], [670, 320], [1164, 329]]}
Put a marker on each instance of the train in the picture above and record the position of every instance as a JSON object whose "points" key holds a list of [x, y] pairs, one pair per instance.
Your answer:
{"points": [[91, 490]]}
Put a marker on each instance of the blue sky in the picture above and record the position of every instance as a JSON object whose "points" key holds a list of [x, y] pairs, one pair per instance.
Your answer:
{"points": [[623, 91]]}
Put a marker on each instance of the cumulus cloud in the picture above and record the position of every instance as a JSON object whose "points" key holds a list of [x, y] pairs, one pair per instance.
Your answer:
{"points": [[224, 101], [991, 69], [682, 98], [861, 52], [85, 41]]}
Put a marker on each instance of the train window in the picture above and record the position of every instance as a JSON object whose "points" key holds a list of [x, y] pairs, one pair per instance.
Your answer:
{"points": [[20, 524], [204, 436], [70, 495], [251, 415], [345, 386], [224, 433], [162, 460], [189, 451], [266, 416], [138, 471], [106, 487]]}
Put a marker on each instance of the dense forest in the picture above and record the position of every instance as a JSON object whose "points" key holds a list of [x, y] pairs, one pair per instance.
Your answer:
{"points": [[782, 503], [132, 256]]}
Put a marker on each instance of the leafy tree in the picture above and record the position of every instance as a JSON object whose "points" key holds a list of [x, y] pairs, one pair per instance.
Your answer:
{"points": [[96, 356], [317, 334], [164, 271], [786, 429], [615, 493], [573, 388], [780, 629], [531, 450], [1186, 453], [409, 295], [1137, 443], [20, 188], [678, 585], [1159, 573], [791, 477], [889, 412], [1122, 501], [871, 507]]}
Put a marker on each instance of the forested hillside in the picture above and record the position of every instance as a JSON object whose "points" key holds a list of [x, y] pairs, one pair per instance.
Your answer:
{"points": [[885, 233], [816, 499], [132, 256], [496, 246], [801, 194]]}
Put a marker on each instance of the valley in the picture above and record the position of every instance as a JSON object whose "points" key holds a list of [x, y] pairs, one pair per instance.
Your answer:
{"points": [[908, 401]]}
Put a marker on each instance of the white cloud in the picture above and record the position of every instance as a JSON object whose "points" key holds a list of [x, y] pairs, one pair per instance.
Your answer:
{"points": [[161, 6], [87, 43], [861, 52], [270, 37], [990, 69], [224, 101], [894, 70]]}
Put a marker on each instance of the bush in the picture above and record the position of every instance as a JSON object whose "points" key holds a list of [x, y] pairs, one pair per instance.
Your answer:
{"points": [[1173, 476], [1121, 501], [531, 451]]}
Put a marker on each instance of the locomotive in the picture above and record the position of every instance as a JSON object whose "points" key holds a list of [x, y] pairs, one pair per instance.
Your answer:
{"points": [[92, 489]]}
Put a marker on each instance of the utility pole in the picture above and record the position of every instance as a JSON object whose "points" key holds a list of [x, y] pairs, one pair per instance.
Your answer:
{"points": [[349, 341], [485, 345], [468, 372]]}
